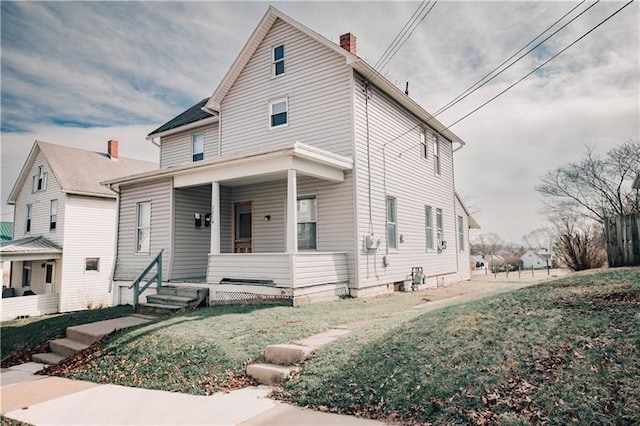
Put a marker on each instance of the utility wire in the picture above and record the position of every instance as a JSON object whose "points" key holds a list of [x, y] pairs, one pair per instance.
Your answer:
{"points": [[468, 92], [540, 66]]}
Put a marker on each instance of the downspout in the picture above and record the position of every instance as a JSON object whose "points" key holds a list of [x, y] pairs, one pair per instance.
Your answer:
{"points": [[153, 141], [115, 241]]}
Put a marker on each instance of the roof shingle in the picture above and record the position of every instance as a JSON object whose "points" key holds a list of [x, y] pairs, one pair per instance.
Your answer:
{"points": [[191, 115]]}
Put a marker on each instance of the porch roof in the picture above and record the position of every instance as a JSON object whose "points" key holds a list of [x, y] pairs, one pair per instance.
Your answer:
{"points": [[30, 248], [252, 166]]}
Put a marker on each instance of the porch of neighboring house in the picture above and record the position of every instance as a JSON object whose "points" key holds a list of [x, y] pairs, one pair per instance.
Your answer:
{"points": [[264, 229], [34, 287]]}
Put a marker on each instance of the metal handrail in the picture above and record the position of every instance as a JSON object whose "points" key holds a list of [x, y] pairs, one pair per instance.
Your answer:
{"points": [[137, 291]]}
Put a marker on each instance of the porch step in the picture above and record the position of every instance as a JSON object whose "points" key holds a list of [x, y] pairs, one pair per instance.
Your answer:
{"points": [[167, 299], [286, 354], [157, 309], [48, 358], [270, 374], [66, 347], [183, 291]]}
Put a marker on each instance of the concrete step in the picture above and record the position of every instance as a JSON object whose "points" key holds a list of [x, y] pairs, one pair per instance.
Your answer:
{"points": [[48, 358], [66, 347], [184, 291], [270, 374], [286, 354], [157, 309], [168, 299], [92, 332]]}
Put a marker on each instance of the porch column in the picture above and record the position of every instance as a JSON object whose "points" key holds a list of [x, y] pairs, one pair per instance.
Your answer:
{"points": [[215, 218], [292, 215]]}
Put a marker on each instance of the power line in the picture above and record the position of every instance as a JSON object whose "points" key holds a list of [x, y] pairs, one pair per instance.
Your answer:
{"points": [[540, 66], [468, 92]]}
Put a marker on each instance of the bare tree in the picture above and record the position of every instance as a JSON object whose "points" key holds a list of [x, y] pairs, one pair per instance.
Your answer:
{"points": [[579, 241], [538, 239]]}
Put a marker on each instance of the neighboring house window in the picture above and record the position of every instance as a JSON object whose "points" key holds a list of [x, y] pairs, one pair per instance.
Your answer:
{"points": [[436, 155], [461, 232], [278, 60], [278, 113], [424, 150], [392, 234], [197, 144], [53, 216], [307, 209], [92, 264], [40, 180], [439, 226], [28, 222], [143, 227], [428, 226]]}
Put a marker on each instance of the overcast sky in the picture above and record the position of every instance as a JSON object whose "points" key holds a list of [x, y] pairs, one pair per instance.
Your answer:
{"points": [[80, 73]]}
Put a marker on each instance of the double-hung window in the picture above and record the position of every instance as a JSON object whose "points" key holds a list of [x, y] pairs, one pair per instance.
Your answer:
{"points": [[428, 226], [436, 155], [278, 60], [392, 225], [197, 145], [307, 212], [143, 227], [424, 150], [461, 233], [278, 111], [439, 226], [53, 215], [40, 180], [27, 225]]}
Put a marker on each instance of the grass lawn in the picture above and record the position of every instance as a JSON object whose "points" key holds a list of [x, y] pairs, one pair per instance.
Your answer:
{"points": [[23, 335], [563, 352]]}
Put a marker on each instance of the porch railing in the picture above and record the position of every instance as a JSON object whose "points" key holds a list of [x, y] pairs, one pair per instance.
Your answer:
{"points": [[137, 290]]}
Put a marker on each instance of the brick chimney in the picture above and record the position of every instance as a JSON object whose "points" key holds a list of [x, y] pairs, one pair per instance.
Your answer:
{"points": [[348, 42], [113, 149]]}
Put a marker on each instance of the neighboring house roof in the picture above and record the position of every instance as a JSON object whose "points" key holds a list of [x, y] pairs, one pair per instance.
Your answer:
{"points": [[79, 171], [472, 222], [212, 106], [543, 255], [39, 246], [6, 231], [193, 114]]}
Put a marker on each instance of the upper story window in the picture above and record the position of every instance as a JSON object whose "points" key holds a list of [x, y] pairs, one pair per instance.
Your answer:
{"points": [[143, 227], [197, 147], [307, 212], [439, 225], [436, 155], [28, 219], [392, 226], [428, 226], [278, 111], [424, 150], [461, 233], [53, 215], [40, 180], [278, 60]]}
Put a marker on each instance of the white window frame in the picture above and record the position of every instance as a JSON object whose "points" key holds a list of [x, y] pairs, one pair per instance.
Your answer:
{"points": [[461, 233], [53, 215], [39, 181], [424, 144], [392, 242], [275, 62], [27, 222], [86, 264], [428, 227], [307, 197], [193, 147], [436, 156], [286, 111], [138, 248], [439, 226]]}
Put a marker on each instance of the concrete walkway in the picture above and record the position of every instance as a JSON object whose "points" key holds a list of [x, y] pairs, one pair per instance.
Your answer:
{"points": [[42, 400]]}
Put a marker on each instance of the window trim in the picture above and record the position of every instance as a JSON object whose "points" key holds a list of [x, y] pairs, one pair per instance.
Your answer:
{"points": [[286, 112], [275, 61], [28, 215], [308, 196], [436, 156], [193, 153], [86, 264], [460, 233], [424, 144], [394, 223], [137, 249], [53, 217], [439, 226], [39, 180], [428, 228]]}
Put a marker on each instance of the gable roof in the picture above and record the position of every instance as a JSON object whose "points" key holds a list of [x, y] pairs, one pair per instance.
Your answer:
{"points": [[473, 224], [357, 63], [6, 231], [79, 171], [193, 114]]}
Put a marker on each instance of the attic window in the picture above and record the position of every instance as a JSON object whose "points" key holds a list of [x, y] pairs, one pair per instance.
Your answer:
{"points": [[278, 60], [278, 111], [40, 180]]}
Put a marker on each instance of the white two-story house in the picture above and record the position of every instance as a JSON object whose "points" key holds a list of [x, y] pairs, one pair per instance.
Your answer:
{"points": [[305, 175], [64, 229]]}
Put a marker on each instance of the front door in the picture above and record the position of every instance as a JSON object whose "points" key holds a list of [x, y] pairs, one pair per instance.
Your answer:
{"points": [[242, 223], [48, 278]]}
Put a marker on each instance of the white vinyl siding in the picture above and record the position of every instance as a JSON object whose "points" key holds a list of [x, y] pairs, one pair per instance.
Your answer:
{"points": [[129, 264], [317, 83], [177, 149], [464, 267]]}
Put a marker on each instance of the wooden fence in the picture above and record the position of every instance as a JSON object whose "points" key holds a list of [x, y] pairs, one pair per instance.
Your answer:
{"points": [[623, 240]]}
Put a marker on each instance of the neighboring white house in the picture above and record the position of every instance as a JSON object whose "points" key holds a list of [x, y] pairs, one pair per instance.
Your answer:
{"points": [[64, 227], [306, 174], [536, 259]]}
